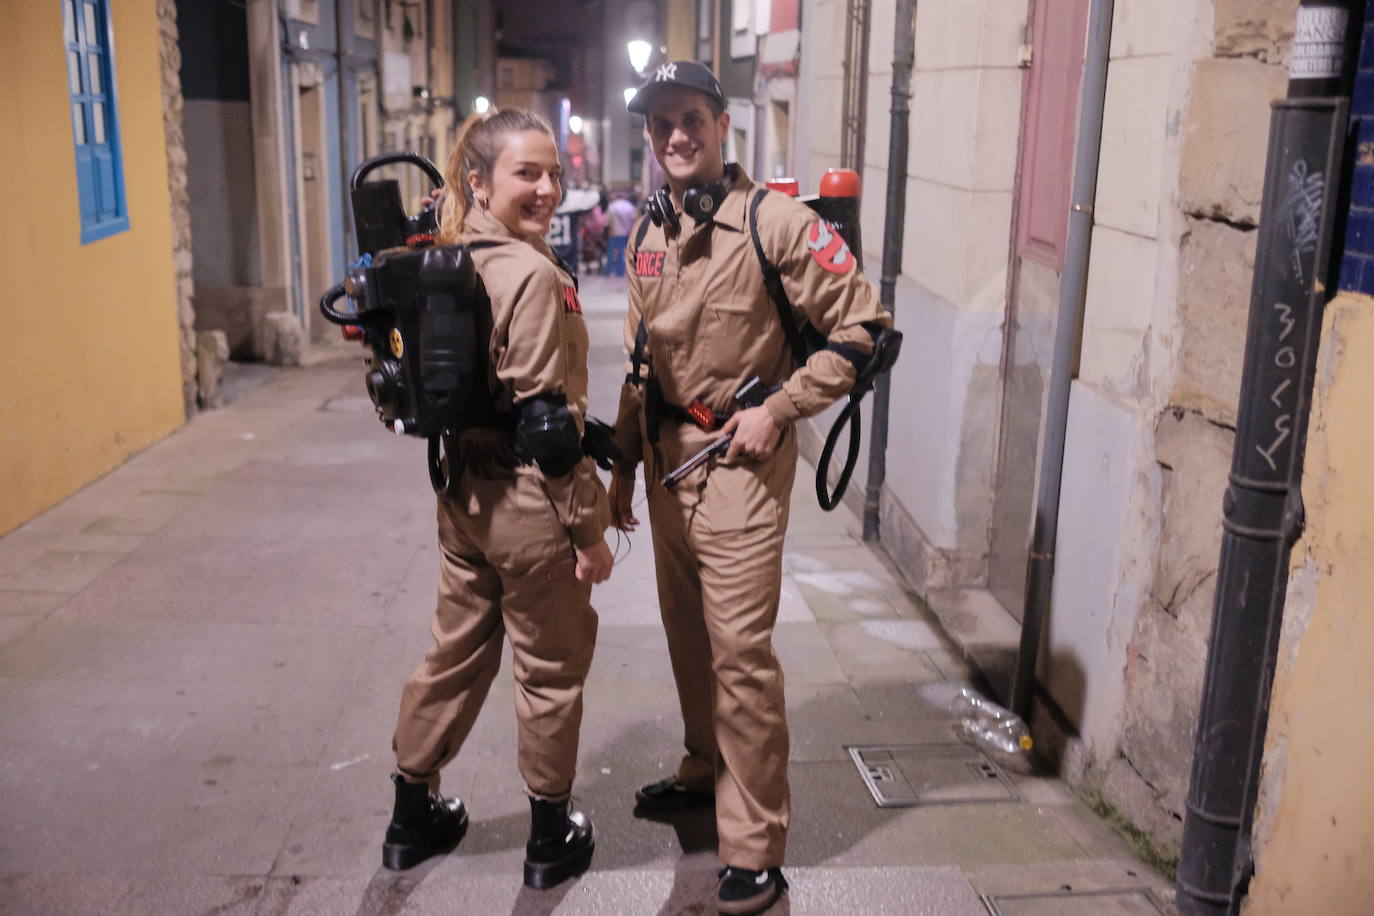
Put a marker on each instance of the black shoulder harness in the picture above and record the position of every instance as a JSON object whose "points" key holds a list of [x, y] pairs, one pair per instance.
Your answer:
{"points": [[801, 341], [642, 333]]}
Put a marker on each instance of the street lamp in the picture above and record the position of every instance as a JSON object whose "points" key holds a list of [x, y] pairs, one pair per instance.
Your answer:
{"points": [[481, 104], [640, 51]]}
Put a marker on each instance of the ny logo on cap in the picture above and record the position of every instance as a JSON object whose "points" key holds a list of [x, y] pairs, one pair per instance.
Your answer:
{"points": [[665, 72]]}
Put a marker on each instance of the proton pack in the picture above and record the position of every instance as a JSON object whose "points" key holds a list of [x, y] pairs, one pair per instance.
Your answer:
{"points": [[418, 307], [838, 205]]}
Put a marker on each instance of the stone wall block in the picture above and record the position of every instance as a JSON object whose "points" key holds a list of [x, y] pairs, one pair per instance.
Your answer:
{"points": [[186, 317], [169, 53], [1134, 797], [212, 351], [1167, 655], [237, 311], [1225, 138], [1216, 267], [279, 339], [1262, 29], [190, 402]]}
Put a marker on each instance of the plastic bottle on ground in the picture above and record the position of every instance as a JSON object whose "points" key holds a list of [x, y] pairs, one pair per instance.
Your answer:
{"points": [[993, 729]]}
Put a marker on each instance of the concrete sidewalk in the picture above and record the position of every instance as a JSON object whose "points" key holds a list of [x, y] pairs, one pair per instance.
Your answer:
{"points": [[201, 657]]}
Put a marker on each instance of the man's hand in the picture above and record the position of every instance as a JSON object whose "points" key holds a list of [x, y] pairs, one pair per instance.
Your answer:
{"points": [[622, 499], [594, 564], [755, 433]]}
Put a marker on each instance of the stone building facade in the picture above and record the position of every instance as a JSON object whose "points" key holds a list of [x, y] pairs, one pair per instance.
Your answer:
{"points": [[170, 51], [1152, 405]]}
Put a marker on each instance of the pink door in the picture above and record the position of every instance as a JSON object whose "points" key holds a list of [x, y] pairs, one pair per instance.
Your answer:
{"points": [[1044, 179], [1046, 167]]}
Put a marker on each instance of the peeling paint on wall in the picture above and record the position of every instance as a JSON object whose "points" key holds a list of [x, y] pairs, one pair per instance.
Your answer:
{"points": [[1313, 832]]}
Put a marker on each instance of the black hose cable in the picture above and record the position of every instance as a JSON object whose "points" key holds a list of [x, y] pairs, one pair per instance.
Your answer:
{"points": [[629, 544], [850, 417], [363, 170], [442, 451], [327, 301]]}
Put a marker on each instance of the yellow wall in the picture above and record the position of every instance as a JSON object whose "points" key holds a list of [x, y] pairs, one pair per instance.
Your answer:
{"points": [[1316, 836], [91, 361]]}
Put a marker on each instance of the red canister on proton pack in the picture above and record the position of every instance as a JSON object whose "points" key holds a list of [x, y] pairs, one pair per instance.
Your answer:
{"points": [[787, 186]]}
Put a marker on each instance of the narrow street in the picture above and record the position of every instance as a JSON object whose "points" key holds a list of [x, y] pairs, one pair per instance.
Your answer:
{"points": [[201, 655]]}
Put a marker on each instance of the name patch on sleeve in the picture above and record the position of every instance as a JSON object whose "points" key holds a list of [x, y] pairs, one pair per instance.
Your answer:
{"points": [[649, 263]]}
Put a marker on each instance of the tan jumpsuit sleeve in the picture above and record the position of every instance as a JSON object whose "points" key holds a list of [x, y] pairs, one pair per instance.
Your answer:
{"points": [[629, 431], [535, 362], [823, 279]]}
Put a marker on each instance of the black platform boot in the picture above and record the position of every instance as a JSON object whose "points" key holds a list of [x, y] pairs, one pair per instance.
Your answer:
{"points": [[422, 825], [560, 845]]}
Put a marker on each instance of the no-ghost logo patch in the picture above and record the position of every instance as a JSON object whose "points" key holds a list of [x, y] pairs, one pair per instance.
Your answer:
{"points": [[828, 248]]}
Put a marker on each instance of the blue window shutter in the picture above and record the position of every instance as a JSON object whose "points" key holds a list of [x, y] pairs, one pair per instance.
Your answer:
{"points": [[95, 118]]}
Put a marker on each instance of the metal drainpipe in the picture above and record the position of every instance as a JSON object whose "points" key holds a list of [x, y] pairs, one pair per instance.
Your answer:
{"points": [[903, 58], [1305, 177], [342, 47], [1067, 337]]}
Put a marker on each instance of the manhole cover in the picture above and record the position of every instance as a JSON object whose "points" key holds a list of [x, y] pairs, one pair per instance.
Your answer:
{"points": [[1125, 902], [906, 775]]}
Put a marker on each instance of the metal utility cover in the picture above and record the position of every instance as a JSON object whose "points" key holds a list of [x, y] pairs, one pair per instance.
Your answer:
{"points": [[1126, 902], [907, 775]]}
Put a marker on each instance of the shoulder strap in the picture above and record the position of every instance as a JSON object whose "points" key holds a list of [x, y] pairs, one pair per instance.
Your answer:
{"points": [[563, 266], [641, 230], [637, 357], [772, 281], [642, 333]]}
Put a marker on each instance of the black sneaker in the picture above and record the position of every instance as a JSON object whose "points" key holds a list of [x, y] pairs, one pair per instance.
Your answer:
{"points": [[670, 795], [422, 825], [744, 892]]}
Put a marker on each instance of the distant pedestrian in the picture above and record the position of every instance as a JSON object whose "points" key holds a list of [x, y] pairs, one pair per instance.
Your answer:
{"points": [[592, 229], [620, 219], [523, 542]]}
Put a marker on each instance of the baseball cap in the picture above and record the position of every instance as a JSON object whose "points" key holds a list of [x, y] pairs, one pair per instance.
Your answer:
{"points": [[685, 73]]}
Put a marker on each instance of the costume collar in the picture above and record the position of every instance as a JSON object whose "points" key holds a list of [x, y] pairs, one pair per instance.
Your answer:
{"points": [[479, 222], [731, 214]]}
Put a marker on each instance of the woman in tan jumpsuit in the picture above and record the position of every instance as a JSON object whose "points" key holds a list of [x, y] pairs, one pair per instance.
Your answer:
{"points": [[522, 544]]}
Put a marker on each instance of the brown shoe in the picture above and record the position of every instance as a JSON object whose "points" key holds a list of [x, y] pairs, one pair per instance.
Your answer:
{"points": [[670, 795]]}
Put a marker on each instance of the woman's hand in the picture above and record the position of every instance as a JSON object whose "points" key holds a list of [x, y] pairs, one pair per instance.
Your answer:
{"points": [[622, 500], [594, 564], [755, 433]]}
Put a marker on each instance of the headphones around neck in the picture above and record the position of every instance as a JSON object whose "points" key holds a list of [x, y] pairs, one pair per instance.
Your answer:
{"points": [[700, 202]]}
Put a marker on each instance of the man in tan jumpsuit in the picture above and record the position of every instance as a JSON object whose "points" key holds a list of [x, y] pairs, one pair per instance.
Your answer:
{"points": [[709, 327]]}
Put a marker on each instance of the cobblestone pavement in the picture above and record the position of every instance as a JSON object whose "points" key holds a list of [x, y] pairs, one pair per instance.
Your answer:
{"points": [[201, 655]]}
